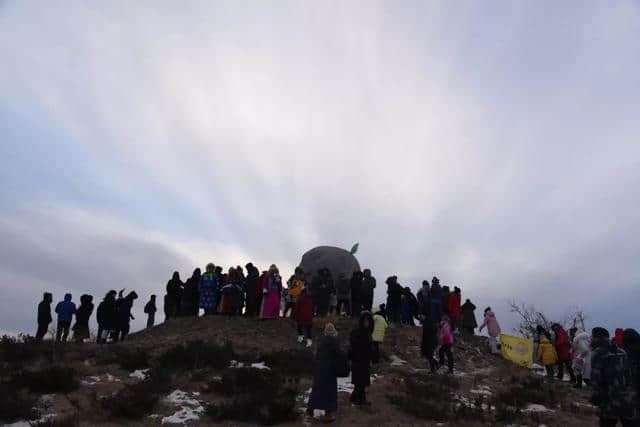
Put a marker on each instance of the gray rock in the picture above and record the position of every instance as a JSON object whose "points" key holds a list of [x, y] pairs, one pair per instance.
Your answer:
{"points": [[337, 260]]}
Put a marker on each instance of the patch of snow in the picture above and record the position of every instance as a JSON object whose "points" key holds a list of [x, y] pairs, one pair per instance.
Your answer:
{"points": [[18, 424], [190, 408], [184, 415], [140, 374], [482, 389], [396, 361], [154, 416], [260, 365], [534, 407]]}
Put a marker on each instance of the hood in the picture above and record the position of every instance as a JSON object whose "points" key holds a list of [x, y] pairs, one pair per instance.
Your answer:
{"points": [[490, 314], [67, 297], [582, 336], [631, 341], [619, 332]]}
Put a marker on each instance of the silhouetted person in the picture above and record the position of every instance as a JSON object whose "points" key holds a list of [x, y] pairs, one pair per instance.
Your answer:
{"points": [[44, 316], [343, 290], [124, 314], [361, 355], [394, 299], [424, 298], [429, 342], [208, 289], [251, 289], [356, 291], [81, 328], [368, 287], [325, 289], [435, 301], [107, 316], [65, 309], [174, 293], [150, 310], [469, 322], [189, 301], [445, 299]]}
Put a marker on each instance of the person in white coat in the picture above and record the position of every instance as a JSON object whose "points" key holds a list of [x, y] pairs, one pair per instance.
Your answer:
{"points": [[581, 353]]}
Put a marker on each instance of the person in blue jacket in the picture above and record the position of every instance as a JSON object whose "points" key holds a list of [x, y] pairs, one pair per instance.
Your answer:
{"points": [[65, 310]]}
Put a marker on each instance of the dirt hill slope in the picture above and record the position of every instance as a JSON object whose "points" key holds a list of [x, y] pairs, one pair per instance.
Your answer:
{"points": [[178, 372]]}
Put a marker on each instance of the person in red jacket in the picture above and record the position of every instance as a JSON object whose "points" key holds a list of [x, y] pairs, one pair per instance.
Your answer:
{"points": [[454, 308], [563, 349], [303, 311], [617, 339]]}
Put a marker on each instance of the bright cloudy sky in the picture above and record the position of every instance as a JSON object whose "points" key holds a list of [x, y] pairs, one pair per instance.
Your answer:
{"points": [[494, 144]]}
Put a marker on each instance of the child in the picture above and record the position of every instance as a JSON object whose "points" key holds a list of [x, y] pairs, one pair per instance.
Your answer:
{"points": [[446, 341], [493, 327], [377, 337], [581, 352], [547, 356]]}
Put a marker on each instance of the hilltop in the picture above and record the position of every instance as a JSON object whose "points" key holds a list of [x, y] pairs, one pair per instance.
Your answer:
{"points": [[237, 371]]}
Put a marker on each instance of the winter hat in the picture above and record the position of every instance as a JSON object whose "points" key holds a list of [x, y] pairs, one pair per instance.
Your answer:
{"points": [[599, 332], [330, 330], [435, 280]]}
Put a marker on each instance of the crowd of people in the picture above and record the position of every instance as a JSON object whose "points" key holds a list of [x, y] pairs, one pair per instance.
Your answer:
{"points": [[609, 366]]}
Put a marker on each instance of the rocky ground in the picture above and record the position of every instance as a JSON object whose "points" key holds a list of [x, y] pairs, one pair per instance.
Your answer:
{"points": [[154, 378]]}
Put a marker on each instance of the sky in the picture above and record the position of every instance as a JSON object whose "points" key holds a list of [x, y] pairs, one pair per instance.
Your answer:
{"points": [[493, 144]]}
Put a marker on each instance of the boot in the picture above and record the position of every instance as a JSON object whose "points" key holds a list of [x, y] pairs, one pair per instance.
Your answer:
{"points": [[309, 342], [300, 339], [578, 383], [329, 418]]}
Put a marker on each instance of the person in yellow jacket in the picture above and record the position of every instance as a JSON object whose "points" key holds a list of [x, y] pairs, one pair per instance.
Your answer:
{"points": [[377, 336], [547, 356], [294, 288]]}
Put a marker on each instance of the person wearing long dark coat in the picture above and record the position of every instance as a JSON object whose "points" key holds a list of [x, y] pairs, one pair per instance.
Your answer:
{"points": [[324, 391], [175, 288], [81, 328], [394, 299], [356, 293], [44, 316], [124, 314], [251, 289], [429, 342], [361, 354], [469, 322], [106, 315], [190, 296], [368, 288], [150, 310]]}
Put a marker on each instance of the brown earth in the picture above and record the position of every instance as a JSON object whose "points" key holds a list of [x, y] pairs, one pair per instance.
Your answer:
{"points": [[475, 370]]}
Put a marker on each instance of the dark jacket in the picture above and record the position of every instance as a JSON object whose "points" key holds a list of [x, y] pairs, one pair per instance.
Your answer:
{"points": [[124, 310], [44, 313], [150, 308], [84, 311], [368, 286], [435, 310], [324, 392], [65, 309], [611, 379], [360, 352], [190, 297], [107, 314], [468, 315], [429, 338]]}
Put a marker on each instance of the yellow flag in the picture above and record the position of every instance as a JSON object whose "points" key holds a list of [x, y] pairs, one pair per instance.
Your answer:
{"points": [[519, 350]]}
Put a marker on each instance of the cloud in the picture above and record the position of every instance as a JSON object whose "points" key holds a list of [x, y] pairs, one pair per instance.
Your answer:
{"points": [[494, 146]]}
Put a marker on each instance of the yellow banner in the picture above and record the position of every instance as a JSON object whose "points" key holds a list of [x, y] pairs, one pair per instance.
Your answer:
{"points": [[517, 349]]}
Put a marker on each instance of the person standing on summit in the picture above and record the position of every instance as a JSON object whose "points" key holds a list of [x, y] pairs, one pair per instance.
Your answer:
{"points": [[65, 310], [44, 316], [368, 288]]}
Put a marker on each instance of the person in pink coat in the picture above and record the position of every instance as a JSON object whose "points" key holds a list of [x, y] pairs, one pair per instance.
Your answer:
{"points": [[493, 328], [445, 336]]}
